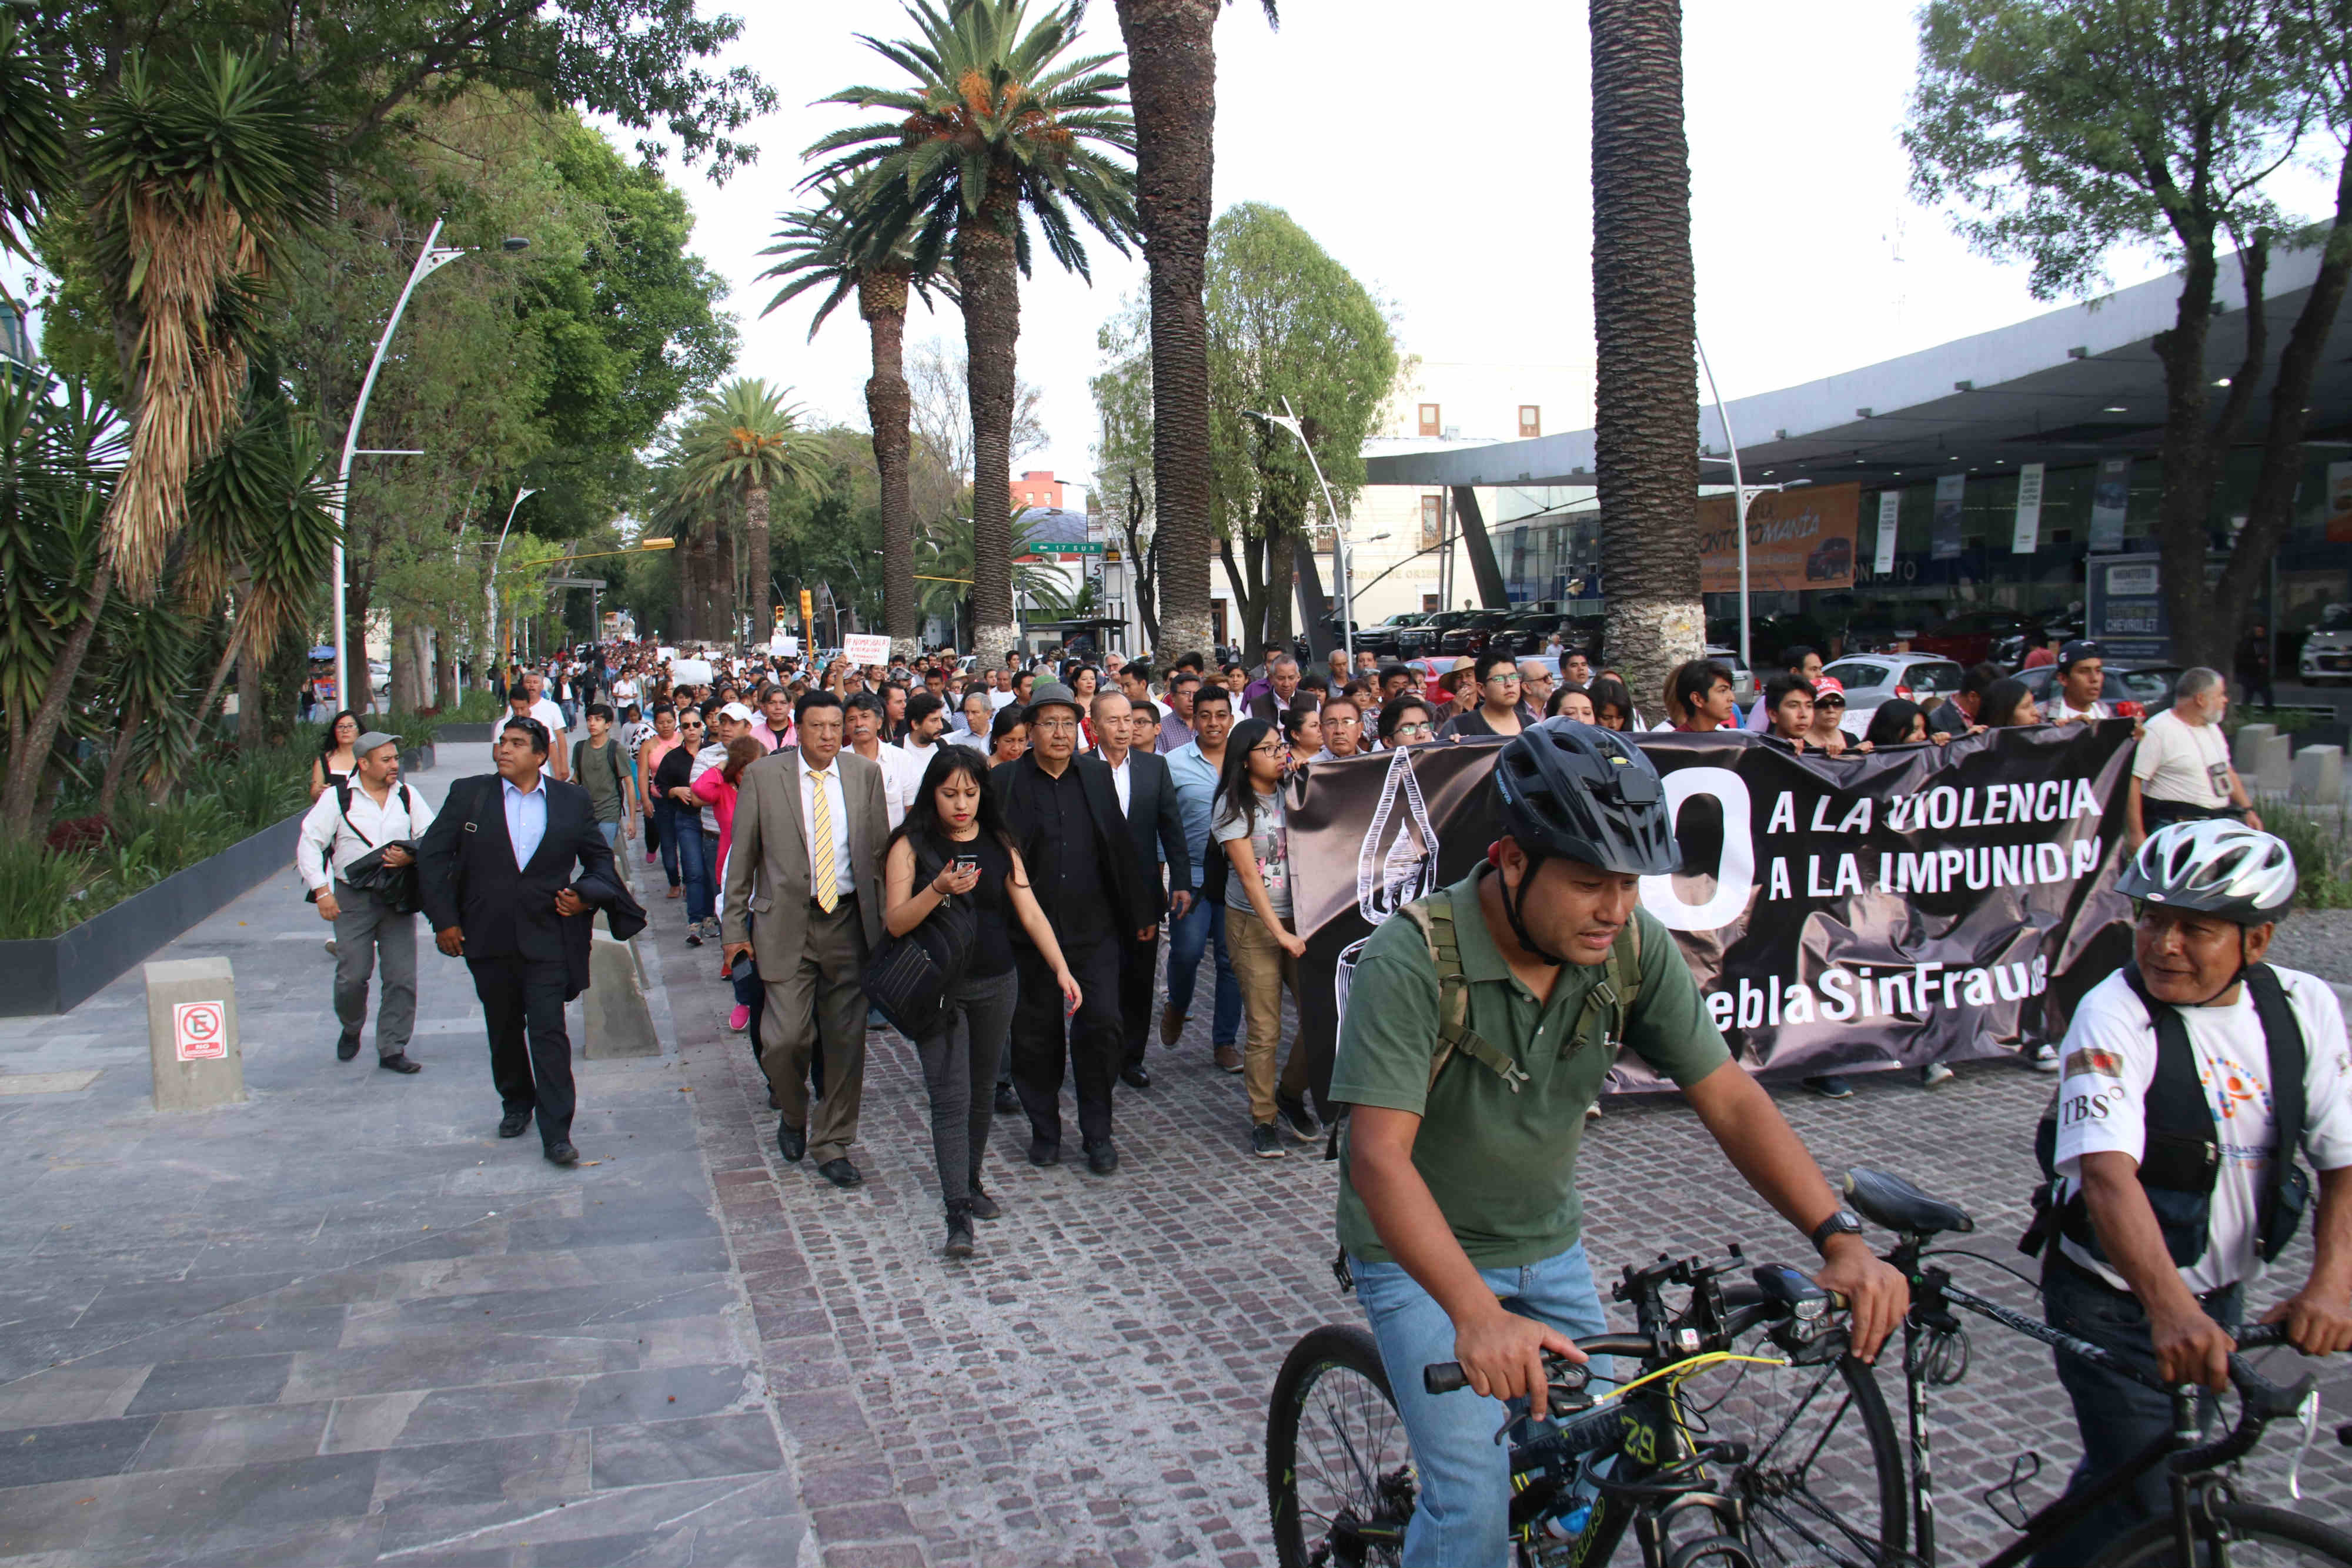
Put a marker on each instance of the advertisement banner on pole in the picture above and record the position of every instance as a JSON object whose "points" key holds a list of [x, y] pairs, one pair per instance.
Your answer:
{"points": [[867, 649], [1796, 539], [2110, 501], [1890, 510], [2025, 536], [1919, 903], [1944, 538]]}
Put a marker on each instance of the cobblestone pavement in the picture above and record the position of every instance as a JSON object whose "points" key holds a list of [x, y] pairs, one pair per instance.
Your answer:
{"points": [[1091, 1388]]}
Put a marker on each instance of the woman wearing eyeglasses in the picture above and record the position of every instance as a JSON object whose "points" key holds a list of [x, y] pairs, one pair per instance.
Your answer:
{"points": [[1248, 818], [679, 817]]}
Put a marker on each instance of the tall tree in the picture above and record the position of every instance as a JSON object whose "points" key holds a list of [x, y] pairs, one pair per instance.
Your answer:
{"points": [[1173, 74], [1124, 485], [743, 442], [1001, 126], [1645, 444], [2070, 129], [821, 248]]}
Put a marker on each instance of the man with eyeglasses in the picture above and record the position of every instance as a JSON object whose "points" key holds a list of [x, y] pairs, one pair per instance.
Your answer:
{"points": [[1405, 721], [1499, 710], [1535, 685], [1343, 730]]}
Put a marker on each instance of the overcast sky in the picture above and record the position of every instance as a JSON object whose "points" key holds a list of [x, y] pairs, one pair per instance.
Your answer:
{"points": [[1442, 154]]}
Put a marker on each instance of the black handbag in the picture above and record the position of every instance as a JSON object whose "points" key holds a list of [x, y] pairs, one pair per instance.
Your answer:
{"points": [[907, 978]]}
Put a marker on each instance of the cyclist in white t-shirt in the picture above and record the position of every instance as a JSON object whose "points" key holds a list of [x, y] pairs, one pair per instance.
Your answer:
{"points": [[2173, 1191]]}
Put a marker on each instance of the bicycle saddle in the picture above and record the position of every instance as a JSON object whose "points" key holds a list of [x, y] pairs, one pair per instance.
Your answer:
{"points": [[1893, 1203]]}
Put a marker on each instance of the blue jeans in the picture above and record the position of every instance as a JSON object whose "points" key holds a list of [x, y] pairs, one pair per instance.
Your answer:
{"points": [[1463, 1516], [696, 855], [612, 831], [1187, 940], [667, 829]]}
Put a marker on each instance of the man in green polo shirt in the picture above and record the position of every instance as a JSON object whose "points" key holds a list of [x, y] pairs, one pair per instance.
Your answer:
{"points": [[1464, 1243]]}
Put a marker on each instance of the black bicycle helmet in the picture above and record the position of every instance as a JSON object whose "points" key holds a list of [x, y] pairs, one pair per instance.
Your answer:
{"points": [[1588, 794]]}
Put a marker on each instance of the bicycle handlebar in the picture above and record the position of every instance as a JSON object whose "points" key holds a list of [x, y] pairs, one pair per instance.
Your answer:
{"points": [[1446, 1376]]}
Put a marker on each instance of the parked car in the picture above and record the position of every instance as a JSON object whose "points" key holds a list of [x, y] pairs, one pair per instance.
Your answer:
{"points": [[2327, 653], [1873, 679], [1969, 637], [1743, 679], [1473, 631], [1382, 636], [2133, 692], [1421, 641]]}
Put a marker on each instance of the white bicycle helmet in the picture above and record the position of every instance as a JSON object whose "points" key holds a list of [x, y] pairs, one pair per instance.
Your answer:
{"points": [[2218, 866]]}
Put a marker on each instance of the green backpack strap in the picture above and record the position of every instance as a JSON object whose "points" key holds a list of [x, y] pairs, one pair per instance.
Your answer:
{"points": [[1617, 991], [1434, 918]]}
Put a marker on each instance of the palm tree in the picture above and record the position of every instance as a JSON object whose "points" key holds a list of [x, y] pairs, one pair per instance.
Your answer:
{"points": [[945, 553], [744, 440], [820, 248], [195, 177], [1644, 327], [999, 127], [1172, 69]]}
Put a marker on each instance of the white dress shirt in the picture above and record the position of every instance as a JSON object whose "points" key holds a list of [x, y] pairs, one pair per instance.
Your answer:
{"points": [[326, 833], [837, 804], [526, 818], [1122, 781], [547, 713], [902, 776]]}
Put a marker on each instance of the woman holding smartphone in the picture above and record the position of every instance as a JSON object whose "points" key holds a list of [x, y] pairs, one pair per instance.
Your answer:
{"points": [[954, 845], [1248, 818]]}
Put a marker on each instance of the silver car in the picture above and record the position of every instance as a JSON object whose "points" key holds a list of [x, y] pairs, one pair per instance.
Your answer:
{"points": [[1873, 679]]}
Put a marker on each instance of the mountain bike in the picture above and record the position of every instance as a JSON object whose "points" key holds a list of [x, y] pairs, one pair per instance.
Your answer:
{"points": [[1796, 1461]]}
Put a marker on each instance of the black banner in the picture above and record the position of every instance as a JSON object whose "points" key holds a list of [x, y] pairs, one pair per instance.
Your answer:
{"points": [[1920, 904]]}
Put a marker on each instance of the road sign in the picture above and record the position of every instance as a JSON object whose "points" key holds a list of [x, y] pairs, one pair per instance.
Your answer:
{"points": [[199, 1030], [1062, 549]]}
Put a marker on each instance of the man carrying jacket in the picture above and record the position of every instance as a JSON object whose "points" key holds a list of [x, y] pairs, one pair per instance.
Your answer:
{"points": [[376, 811]]}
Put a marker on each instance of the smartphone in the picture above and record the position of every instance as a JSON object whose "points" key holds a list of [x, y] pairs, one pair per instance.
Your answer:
{"points": [[966, 863]]}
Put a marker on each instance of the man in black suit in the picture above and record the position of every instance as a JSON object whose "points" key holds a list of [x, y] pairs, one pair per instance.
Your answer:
{"points": [[1062, 810], [1146, 794], [495, 875]]}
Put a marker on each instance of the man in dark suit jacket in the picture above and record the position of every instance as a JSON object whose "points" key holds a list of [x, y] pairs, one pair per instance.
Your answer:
{"points": [[1146, 793], [1062, 810], [494, 873], [1282, 687]]}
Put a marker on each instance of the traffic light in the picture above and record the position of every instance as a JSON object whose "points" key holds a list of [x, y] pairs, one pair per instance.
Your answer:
{"points": [[808, 605]]}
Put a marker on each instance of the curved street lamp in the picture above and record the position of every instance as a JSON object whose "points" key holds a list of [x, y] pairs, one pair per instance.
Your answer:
{"points": [[429, 260], [1289, 419], [491, 591]]}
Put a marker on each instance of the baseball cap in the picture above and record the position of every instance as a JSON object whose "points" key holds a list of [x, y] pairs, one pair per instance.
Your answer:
{"points": [[2074, 652], [738, 713], [1827, 684]]}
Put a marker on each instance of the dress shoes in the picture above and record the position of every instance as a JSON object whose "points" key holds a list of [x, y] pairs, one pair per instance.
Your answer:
{"points": [[398, 1062], [841, 1173], [513, 1123], [1229, 1059], [792, 1141], [1043, 1152], [983, 1206], [562, 1154], [1136, 1077], [347, 1046], [1172, 1024], [1102, 1159]]}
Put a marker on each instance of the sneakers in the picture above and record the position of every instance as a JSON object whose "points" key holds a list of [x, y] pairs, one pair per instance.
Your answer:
{"points": [[1264, 1144], [1297, 1120], [694, 933], [1229, 1059], [1592, 1112], [740, 1018], [1830, 1086], [2042, 1057], [1935, 1075]]}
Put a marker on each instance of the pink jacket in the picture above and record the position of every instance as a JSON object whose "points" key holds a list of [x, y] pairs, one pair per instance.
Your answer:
{"points": [[713, 789]]}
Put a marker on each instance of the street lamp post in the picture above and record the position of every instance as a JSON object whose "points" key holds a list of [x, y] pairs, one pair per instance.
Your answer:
{"points": [[1289, 419], [429, 260], [491, 592], [1738, 504]]}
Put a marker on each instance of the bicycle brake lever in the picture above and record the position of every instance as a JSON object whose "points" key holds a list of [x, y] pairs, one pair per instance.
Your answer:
{"points": [[2309, 1411]]}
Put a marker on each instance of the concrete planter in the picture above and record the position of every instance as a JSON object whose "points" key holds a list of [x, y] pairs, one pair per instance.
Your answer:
{"points": [[55, 974], [416, 760], [454, 732]]}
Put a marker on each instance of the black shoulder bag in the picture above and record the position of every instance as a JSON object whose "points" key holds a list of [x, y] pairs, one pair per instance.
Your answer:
{"points": [[907, 978]]}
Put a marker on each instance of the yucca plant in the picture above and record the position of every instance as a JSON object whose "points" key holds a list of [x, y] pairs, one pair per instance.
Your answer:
{"points": [[37, 889], [1000, 125], [35, 162]]}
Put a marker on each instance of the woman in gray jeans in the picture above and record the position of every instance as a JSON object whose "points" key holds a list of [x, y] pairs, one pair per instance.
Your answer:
{"points": [[954, 845]]}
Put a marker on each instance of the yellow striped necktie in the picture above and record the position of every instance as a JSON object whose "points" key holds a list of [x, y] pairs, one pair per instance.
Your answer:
{"points": [[828, 876]]}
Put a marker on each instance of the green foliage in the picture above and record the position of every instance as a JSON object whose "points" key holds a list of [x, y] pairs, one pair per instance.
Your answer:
{"points": [[37, 889], [744, 437], [2321, 841], [996, 120], [58, 459], [33, 161]]}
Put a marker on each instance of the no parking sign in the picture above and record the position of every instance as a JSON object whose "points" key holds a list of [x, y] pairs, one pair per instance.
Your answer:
{"points": [[199, 1030]]}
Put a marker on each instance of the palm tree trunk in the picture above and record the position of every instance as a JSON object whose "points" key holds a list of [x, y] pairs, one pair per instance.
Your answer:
{"points": [[755, 546], [30, 754], [890, 409], [985, 271], [1172, 83], [1643, 328], [118, 758]]}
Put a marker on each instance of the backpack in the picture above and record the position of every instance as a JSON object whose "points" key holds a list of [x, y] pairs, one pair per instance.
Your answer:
{"points": [[1618, 990], [2181, 1158]]}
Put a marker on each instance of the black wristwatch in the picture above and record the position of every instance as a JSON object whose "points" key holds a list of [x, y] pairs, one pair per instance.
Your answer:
{"points": [[1845, 1222]]}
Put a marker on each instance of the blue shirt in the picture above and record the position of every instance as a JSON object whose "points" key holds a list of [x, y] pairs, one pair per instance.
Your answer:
{"points": [[1196, 790], [526, 818]]}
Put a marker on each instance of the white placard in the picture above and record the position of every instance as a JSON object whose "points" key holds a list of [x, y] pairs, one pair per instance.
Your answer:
{"points": [[199, 1030], [784, 646], [689, 672], [1890, 507], [2026, 537], [865, 650]]}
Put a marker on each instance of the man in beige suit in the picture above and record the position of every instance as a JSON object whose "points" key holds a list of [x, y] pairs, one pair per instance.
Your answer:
{"points": [[806, 859]]}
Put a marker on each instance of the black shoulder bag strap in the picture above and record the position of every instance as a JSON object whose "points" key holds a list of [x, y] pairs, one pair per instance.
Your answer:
{"points": [[2288, 1191], [2182, 1152]]}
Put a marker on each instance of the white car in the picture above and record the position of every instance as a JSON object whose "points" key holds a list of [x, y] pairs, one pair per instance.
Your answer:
{"points": [[1873, 679], [1743, 679], [2326, 653]]}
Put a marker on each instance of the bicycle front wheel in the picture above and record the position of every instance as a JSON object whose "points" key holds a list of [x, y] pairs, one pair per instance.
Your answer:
{"points": [[1823, 1476], [2258, 1537], [1338, 1475]]}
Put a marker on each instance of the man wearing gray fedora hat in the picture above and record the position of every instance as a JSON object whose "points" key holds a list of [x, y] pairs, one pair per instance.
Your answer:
{"points": [[1062, 810], [370, 816]]}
